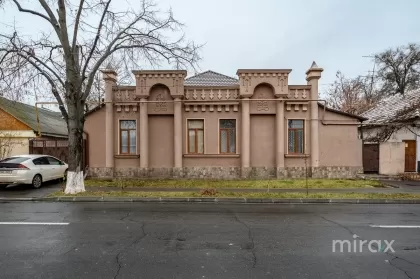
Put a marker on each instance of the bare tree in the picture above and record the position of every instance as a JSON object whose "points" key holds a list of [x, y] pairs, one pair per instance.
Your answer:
{"points": [[399, 69], [81, 38], [353, 95]]}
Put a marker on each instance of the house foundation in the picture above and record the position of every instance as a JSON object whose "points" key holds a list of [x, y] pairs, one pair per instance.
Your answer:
{"points": [[227, 172]]}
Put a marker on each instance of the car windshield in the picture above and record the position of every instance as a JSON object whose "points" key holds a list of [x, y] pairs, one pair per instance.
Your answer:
{"points": [[14, 160]]}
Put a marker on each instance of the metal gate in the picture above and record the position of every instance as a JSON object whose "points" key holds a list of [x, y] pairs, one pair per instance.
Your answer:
{"points": [[55, 148], [371, 158]]}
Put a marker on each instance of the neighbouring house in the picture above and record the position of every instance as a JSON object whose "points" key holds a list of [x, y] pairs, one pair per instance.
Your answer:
{"points": [[391, 135], [214, 126], [19, 127]]}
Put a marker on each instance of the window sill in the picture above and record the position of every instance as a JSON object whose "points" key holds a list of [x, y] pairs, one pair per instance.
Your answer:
{"points": [[296, 155], [128, 156], [211, 155]]}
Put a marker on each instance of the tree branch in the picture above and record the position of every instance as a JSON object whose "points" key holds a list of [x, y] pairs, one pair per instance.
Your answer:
{"points": [[98, 33], [76, 24], [30, 11], [64, 35], [51, 81]]}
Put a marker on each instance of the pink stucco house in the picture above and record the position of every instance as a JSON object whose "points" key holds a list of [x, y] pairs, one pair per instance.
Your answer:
{"points": [[214, 126]]}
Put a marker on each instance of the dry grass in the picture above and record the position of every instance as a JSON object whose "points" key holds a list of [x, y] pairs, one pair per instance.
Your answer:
{"points": [[214, 184]]}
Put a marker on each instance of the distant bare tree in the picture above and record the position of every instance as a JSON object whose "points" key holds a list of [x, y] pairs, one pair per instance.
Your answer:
{"points": [[82, 37], [398, 73], [97, 94], [353, 95], [399, 69]]}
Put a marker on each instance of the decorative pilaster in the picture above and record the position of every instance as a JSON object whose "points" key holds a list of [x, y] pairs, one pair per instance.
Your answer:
{"points": [[280, 133], [246, 135], [312, 76], [144, 134], [177, 133], [110, 78]]}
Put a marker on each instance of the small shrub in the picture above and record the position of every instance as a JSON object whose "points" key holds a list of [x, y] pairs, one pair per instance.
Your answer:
{"points": [[409, 176], [208, 192]]}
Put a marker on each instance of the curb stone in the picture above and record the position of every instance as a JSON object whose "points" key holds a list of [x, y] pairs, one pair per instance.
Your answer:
{"points": [[183, 200], [230, 200], [145, 200], [214, 200], [17, 199], [67, 199]]}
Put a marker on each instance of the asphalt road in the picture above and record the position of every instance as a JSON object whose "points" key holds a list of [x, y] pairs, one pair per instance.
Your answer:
{"points": [[132, 240]]}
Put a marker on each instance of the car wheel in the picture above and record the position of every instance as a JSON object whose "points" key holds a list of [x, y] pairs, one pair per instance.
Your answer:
{"points": [[37, 181]]}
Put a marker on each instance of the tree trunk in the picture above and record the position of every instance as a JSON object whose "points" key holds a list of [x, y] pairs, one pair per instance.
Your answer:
{"points": [[75, 179]]}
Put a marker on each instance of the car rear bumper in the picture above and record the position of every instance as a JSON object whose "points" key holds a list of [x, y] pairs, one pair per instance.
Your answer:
{"points": [[18, 178], [14, 180]]}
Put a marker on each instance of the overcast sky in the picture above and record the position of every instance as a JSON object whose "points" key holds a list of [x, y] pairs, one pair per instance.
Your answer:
{"points": [[291, 34]]}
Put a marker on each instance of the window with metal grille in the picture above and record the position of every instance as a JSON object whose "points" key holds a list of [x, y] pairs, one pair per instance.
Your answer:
{"points": [[227, 136], [128, 136], [196, 136], [296, 136]]}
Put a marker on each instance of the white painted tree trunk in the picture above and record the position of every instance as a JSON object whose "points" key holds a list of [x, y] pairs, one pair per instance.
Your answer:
{"points": [[75, 182], [75, 179]]}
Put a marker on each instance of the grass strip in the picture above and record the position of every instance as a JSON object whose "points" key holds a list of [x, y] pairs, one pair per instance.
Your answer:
{"points": [[272, 184]]}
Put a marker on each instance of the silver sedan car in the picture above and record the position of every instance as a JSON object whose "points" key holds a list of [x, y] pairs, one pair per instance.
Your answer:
{"points": [[31, 169]]}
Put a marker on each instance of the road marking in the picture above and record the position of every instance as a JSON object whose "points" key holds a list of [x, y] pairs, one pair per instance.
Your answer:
{"points": [[395, 226], [34, 223]]}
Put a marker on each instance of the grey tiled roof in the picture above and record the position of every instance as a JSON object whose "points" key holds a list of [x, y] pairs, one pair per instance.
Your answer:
{"points": [[210, 78], [51, 122], [388, 108]]}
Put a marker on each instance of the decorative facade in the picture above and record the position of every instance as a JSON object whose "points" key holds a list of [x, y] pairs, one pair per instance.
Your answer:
{"points": [[214, 126]]}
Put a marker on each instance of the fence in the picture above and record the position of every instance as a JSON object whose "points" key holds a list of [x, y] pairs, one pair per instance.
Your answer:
{"points": [[55, 148]]}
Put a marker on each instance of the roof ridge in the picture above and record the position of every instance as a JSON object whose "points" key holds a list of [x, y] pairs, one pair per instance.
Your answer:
{"points": [[213, 72]]}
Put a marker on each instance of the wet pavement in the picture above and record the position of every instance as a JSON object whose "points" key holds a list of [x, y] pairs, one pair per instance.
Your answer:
{"points": [[406, 185], [126, 240], [26, 191]]}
